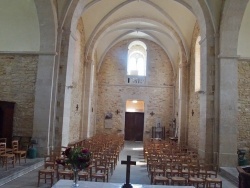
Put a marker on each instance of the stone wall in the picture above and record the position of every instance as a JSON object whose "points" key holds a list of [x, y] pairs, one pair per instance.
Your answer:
{"points": [[193, 105], [244, 104], [77, 89], [113, 92], [18, 79]]}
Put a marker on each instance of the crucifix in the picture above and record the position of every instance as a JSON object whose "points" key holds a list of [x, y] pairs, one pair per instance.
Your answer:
{"points": [[128, 163]]}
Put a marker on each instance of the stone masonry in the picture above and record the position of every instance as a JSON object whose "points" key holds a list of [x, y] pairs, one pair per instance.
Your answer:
{"points": [[18, 79], [244, 105], [193, 119], [77, 89], [158, 93]]}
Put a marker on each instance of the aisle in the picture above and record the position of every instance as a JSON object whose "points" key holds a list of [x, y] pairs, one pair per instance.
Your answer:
{"points": [[138, 174]]}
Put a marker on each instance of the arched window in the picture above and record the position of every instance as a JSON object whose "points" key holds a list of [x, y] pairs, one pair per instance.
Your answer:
{"points": [[197, 65], [137, 56]]}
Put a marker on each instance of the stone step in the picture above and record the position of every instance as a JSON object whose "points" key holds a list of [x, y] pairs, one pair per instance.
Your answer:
{"points": [[19, 170], [230, 174]]}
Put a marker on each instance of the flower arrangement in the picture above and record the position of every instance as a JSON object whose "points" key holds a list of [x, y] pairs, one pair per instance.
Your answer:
{"points": [[78, 158]]}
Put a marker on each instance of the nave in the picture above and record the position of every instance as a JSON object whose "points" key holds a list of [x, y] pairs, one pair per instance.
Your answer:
{"points": [[139, 174]]}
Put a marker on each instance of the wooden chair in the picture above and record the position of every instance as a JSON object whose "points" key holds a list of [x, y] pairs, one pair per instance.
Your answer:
{"points": [[156, 169], [49, 169], [6, 157], [50, 161], [159, 174], [101, 170], [194, 177], [176, 174], [212, 181], [46, 173], [83, 175], [65, 173], [19, 154]]}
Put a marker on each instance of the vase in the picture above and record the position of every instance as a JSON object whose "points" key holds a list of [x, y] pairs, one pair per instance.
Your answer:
{"points": [[75, 180]]}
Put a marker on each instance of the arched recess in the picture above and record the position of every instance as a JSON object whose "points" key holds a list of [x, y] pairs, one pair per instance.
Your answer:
{"points": [[200, 10], [208, 44], [228, 81], [43, 124]]}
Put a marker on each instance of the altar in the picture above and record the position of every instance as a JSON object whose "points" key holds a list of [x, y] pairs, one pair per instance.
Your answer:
{"points": [[90, 184]]}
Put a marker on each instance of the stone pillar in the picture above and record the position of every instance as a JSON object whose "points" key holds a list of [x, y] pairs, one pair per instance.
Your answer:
{"points": [[228, 129], [87, 99], [207, 98], [46, 73], [68, 88], [183, 102], [43, 98]]}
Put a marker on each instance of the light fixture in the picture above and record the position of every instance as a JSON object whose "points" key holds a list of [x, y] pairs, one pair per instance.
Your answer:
{"points": [[134, 101]]}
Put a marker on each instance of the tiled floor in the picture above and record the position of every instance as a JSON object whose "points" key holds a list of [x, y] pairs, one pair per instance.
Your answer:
{"points": [[139, 173]]}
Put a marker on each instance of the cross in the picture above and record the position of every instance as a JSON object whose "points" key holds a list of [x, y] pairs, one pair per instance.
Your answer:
{"points": [[128, 163]]}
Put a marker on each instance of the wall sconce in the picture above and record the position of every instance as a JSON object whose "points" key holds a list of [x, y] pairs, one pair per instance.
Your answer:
{"points": [[152, 113], [201, 92], [117, 112], [192, 112], [69, 87], [177, 114], [77, 107]]}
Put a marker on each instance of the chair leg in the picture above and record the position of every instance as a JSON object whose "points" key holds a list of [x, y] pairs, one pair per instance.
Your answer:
{"points": [[38, 182], [19, 158], [52, 176]]}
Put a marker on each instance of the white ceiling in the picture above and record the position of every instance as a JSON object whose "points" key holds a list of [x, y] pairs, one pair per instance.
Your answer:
{"points": [[166, 22]]}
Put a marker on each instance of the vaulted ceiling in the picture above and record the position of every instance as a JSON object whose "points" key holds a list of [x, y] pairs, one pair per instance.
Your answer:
{"points": [[168, 23]]}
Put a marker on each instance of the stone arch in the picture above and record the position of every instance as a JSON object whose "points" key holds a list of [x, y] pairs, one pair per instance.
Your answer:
{"points": [[207, 33]]}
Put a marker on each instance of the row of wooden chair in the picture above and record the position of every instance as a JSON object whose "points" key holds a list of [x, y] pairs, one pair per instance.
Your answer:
{"points": [[168, 163], [11, 155], [105, 154]]}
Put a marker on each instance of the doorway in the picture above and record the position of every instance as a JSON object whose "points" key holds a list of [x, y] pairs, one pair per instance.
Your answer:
{"points": [[6, 121], [134, 120]]}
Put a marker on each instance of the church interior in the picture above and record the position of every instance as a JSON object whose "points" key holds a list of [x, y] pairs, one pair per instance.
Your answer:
{"points": [[144, 69]]}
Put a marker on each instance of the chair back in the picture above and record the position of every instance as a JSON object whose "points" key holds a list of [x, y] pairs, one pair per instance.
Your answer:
{"points": [[2, 148], [15, 145], [4, 140]]}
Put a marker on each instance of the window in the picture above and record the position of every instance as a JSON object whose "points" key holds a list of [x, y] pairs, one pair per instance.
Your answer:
{"points": [[197, 65], [137, 55]]}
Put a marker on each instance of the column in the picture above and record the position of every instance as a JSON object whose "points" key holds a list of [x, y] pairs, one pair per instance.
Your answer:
{"points": [[228, 95], [43, 98], [183, 102]]}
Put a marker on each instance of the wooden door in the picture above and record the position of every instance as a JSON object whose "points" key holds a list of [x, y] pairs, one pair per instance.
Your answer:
{"points": [[134, 126], [6, 120]]}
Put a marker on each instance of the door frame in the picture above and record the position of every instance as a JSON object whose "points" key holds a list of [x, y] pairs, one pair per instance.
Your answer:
{"points": [[138, 97]]}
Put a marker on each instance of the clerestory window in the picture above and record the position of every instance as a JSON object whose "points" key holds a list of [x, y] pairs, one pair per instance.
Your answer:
{"points": [[137, 57]]}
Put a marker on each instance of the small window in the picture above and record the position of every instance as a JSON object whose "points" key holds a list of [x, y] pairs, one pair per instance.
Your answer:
{"points": [[137, 55], [197, 65]]}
